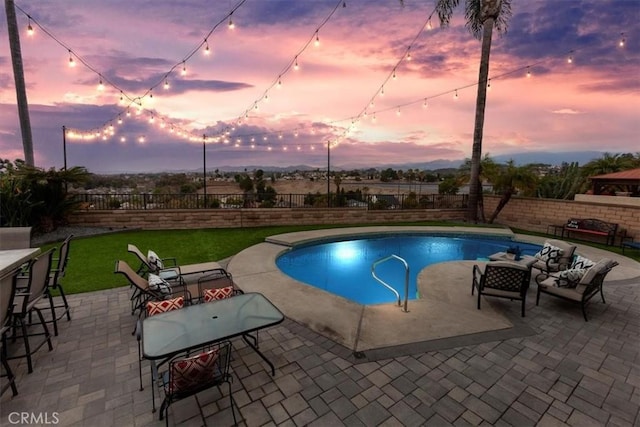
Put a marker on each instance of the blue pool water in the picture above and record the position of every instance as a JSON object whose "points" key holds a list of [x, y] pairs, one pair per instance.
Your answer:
{"points": [[344, 267]]}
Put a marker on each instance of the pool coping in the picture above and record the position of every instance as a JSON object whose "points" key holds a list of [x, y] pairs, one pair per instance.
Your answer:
{"points": [[445, 316]]}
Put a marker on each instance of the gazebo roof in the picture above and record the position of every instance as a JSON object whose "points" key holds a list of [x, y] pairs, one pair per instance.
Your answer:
{"points": [[628, 175]]}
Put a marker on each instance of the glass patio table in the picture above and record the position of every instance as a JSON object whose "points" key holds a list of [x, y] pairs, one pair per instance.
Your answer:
{"points": [[168, 334]]}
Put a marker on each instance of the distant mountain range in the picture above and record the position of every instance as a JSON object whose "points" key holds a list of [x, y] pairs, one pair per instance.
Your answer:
{"points": [[543, 157]]}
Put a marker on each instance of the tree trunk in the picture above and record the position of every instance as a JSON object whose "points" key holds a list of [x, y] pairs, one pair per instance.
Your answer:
{"points": [[481, 101], [18, 76], [481, 203], [501, 204]]}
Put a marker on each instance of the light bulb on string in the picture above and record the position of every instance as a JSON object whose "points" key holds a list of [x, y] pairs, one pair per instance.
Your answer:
{"points": [[151, 95], [424, 103], [166, 84], [141, 139], [409, 54], [72, 62], [29, 27], [123, 139], [316, 43], [121, 98], [429, 26], [570, 58], [119, 119], [296, 67], [231, 25], [100, 85], [152, 119], [128, 112], [489, 84], [455, 95], [528, 72], [394, 74], [398, 112], [382, 91], [207, 51], [184, 68], [622, 41], [279, 83]]}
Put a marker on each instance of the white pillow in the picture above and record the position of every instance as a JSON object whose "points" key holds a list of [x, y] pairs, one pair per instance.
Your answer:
{"points": [[569, 278], [581, 262], [158, 284], [154, 259], [549, 252]]}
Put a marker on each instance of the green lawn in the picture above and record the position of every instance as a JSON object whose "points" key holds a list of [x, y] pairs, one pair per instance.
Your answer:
{"points": [[92, 259]]}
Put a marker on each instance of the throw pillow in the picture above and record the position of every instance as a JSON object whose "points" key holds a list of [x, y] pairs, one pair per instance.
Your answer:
{"points": [[157, 307], [569, 278], [155, 260], [549, 253], [158, 284], [581, 262], [218, 293], [190, 373]]}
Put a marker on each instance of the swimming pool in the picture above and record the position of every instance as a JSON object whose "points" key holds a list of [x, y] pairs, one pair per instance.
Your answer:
{"points": [[343, 267]]}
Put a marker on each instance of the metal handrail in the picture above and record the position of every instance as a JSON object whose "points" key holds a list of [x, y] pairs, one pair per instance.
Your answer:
{"points": [[406, 279]]}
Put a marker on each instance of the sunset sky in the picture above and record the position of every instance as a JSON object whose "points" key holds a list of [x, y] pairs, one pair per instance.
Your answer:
{"points": [[380, 86]]}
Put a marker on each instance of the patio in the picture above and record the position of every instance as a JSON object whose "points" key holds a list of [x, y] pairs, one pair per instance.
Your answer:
{"points": [[561, 369]]}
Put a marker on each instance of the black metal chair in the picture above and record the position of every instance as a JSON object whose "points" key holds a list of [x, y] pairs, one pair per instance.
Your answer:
{"points": [[54, 284], [7, 290], [503, 279], [30, 289], [187, 376]]}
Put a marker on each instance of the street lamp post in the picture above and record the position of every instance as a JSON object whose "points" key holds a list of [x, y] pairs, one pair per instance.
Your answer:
{"points": [[204, 169], [328, 173], [64, 146]]}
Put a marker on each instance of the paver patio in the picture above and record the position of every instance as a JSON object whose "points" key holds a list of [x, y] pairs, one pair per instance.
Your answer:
{"points": [[564, 372]]}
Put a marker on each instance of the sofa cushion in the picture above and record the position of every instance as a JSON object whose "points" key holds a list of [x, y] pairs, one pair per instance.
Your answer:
{"points": [[581, 262], [569, 278], [549, 252]]}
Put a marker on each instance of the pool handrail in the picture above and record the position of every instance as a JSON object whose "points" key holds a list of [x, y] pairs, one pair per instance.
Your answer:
{"points": [[406, 279]]}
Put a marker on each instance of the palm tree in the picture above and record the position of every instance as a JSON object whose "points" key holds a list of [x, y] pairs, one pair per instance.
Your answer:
{"points": [[487, 168], [610, 163], [482, 16], [510, 179]]}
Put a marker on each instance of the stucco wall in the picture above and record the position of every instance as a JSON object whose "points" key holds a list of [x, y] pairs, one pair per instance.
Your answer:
{"points": [[526, 213], [537, 214], [229, 218]]}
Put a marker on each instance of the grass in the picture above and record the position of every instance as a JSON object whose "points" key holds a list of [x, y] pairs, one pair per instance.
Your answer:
{"points": [[92, 259]]}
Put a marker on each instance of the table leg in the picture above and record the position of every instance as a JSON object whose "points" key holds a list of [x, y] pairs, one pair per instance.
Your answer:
{"points": [[255, 348]]}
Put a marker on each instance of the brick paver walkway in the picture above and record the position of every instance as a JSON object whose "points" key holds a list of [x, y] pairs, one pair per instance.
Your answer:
{"points": [[567, 371]]}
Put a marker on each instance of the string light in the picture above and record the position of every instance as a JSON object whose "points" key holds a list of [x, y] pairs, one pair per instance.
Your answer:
{"points": [[100, 85], [184, 68], [429, 26], [279, 82], [207, 51], [622, 41], [394, 74], [489, 84], [119, 119], [455, 95], [29, 27], [424, 104], [296, 67], [72, 62], [231, 25], [570, 58], [409, 54], [166, 84], [528, 72], [316, 43]]}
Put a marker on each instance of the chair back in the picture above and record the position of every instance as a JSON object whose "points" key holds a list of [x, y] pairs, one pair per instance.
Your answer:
{"points": [[7, 292], [568, 250], [15, 237], [218, 279], [506, 276], [38, 278], [61, 266], [134, 279], [191, 375], [593, 279], [145, 265]]}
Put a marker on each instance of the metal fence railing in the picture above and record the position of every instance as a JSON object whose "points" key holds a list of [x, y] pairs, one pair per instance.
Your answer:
{"points": [[144, 201]]}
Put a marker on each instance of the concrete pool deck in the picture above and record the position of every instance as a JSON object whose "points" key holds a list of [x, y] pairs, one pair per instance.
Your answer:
{"points": [[445, 314]]}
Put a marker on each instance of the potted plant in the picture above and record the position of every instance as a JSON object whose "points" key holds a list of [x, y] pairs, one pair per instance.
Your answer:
{"points": [[513, 252]]}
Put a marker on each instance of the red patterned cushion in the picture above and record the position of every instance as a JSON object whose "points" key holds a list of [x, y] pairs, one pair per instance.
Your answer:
{"points": [[193, 372], [164, 306], [218, 293]]}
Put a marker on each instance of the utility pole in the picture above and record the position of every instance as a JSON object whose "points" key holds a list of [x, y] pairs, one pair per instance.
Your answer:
{"points": [[18, 76], [64, 145], [204, 168]]}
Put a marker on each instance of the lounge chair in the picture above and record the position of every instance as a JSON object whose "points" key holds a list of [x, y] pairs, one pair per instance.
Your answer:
{"points": [[580, 289], [555, 255], [171, 270], [503, 279]]}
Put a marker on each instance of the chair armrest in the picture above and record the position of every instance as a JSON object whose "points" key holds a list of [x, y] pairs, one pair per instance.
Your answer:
{"points": [[170, 261]]}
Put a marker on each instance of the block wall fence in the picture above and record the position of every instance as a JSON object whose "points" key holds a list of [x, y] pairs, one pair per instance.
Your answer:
{"points": [[529, 214]]}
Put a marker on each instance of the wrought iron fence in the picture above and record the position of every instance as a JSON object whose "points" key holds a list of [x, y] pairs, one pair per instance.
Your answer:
{"points": [[146, 201]]}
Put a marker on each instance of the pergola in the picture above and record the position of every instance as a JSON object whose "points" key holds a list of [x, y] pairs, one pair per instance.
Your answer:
{"points": [[626, 181]]}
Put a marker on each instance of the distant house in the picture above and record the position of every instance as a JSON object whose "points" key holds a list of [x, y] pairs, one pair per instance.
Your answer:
{"points": [[388, 200]]}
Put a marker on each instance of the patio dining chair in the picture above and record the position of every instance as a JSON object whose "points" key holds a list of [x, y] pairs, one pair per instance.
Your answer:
{"points": [[7, 290], [188, 376], [143, 292], [503, 279], [54, 284], [30, 289]]}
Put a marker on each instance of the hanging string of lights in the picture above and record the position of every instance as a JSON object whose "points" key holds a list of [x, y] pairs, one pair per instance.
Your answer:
{"points": [[226, 137], [126, 99]]}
